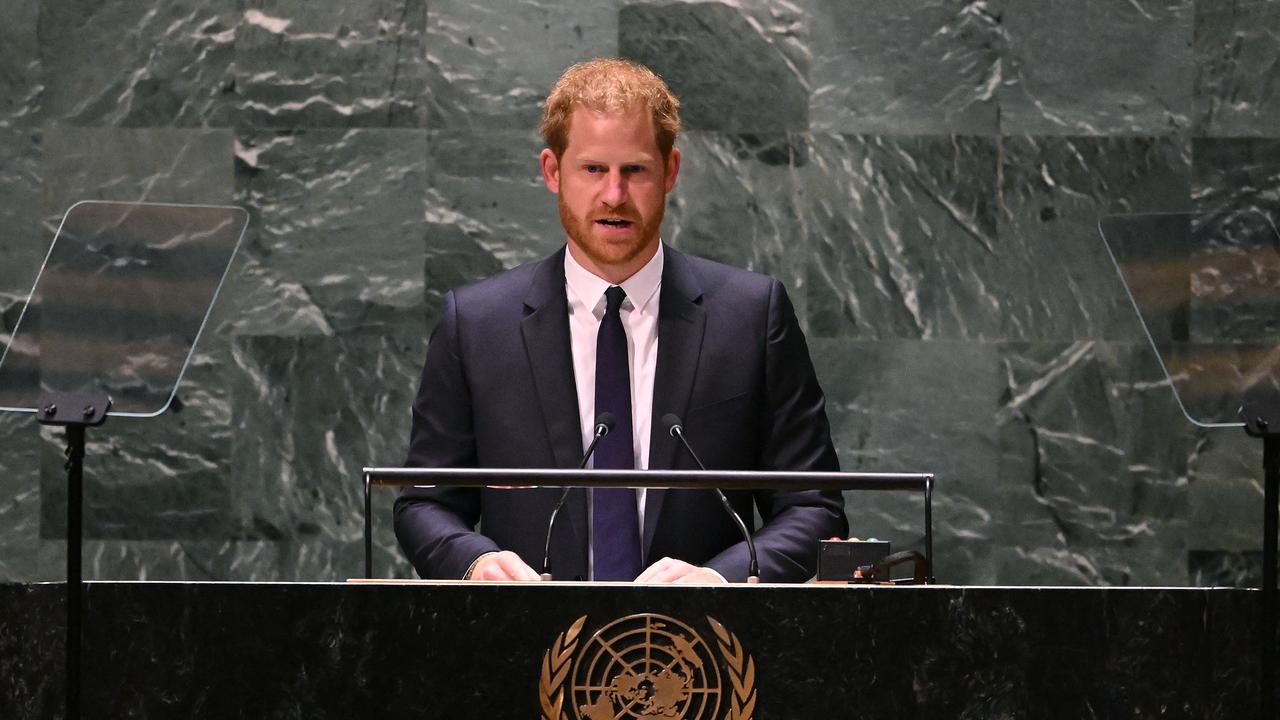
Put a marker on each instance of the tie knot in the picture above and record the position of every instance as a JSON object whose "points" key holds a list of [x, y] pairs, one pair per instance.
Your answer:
{"points": [[613, 298]]}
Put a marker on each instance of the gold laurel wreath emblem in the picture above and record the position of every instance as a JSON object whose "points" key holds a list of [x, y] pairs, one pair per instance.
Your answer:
{"points": [[555, 670], [557, 661], [741, 671]]}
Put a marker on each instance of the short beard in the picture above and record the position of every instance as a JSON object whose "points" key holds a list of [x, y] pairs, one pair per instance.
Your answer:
{"points": [[579, 230]]}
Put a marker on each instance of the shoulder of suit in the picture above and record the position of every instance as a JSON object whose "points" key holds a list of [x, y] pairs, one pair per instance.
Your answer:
{"points": [[504, 290], [716, 277]]}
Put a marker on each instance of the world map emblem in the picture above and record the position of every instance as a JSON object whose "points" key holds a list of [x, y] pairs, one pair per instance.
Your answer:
{"points": [[647, 666]]}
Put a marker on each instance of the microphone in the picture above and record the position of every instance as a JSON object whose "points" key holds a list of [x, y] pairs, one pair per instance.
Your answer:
{"points": [[605, 423], [671, 422]]}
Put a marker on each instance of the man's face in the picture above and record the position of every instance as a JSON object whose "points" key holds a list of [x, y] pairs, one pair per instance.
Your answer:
{"points": [[612, 185]]}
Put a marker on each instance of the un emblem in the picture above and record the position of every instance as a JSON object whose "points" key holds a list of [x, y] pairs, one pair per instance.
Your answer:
{"points": [[647, 666]]}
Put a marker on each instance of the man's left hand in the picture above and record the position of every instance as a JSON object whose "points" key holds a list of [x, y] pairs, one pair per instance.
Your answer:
{"points": [[670, 570]]}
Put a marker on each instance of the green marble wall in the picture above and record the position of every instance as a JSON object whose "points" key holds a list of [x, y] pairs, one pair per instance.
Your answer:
{"points": [[925, 176]]}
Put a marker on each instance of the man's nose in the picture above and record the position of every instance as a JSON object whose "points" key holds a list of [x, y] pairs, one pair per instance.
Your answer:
{"points": [[615, 190]]}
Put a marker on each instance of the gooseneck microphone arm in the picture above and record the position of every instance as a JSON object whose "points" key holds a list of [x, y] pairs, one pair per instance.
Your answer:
{"points": [[604, 423], [673, 425]]}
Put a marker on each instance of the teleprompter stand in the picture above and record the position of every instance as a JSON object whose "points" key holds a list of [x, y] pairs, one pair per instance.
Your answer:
{"points": [[1206, 287], [108, 330]]}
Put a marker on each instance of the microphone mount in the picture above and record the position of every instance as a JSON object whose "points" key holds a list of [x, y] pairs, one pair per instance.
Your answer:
{"points": [[677, 431], [605, 423]]}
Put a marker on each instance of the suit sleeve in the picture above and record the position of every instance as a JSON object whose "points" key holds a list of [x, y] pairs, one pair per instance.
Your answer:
{"points": [[436, 526], [794, 435]]}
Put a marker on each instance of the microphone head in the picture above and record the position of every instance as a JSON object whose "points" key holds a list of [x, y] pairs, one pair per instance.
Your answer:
{"points": [[607, 420], [671, 422]]}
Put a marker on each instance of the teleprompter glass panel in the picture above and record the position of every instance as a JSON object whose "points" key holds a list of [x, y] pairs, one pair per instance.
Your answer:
{"points": [[119, 304], [1207, 287]]}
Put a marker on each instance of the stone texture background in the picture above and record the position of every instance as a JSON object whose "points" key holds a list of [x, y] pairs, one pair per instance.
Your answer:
{"points": [[925, 176]]}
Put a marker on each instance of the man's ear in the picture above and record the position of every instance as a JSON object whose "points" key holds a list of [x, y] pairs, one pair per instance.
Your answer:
{"points": [[550, 170], [672, 169]]}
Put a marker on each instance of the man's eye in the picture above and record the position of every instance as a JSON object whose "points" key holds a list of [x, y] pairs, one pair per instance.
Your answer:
{"points": [[594, 169], [633, 169]]}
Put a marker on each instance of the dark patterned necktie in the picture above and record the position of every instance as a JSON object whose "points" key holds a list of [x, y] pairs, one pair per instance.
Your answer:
{"points": [[615, 542]]}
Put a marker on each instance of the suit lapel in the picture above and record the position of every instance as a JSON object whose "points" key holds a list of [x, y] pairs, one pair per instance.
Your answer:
{"points": [[545, 328], [681, 323]]}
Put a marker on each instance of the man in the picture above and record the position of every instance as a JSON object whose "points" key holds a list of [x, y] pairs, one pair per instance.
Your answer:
{"points": [[522, 364]]}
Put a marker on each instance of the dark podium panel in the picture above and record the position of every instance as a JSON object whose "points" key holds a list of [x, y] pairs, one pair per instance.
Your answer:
{"points": [[226, 650]]}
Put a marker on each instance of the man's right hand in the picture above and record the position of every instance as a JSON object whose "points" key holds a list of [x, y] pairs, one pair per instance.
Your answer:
{"points": [[500, 566]]}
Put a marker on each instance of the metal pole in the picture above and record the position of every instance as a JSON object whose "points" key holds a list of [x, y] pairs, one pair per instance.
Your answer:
{"points": [[928, 527], [75, 493], [368, 531], [1270, 516]]}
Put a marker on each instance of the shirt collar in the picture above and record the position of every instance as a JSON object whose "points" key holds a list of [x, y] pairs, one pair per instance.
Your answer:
{"points": [[641, 288]]}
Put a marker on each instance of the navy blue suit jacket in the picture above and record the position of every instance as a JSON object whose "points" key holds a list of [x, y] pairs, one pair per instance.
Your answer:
{"points": [[498, 391]]}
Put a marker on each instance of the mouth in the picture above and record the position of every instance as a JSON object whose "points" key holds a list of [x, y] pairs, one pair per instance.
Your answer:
{"points": [[614, 223]]}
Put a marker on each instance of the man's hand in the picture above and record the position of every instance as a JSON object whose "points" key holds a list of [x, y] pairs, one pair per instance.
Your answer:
{"points": [[504, 565], [670, 570]]}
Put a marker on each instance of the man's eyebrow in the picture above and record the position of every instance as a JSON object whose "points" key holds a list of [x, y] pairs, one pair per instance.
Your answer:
{"points": [[637, 160]]}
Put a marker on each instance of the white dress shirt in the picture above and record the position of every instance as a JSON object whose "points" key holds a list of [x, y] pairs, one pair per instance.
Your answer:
{"points": [[639, 314]]}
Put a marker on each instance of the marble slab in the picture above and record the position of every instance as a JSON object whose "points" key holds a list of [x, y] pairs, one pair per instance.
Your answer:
{"points": [[331, 64], [1235, 54], [21, 81], [490, 65], [1122, 69], [920, 68], [730, 72], [333, 237], [1057, 280], [152, 65], [25, 245]]}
